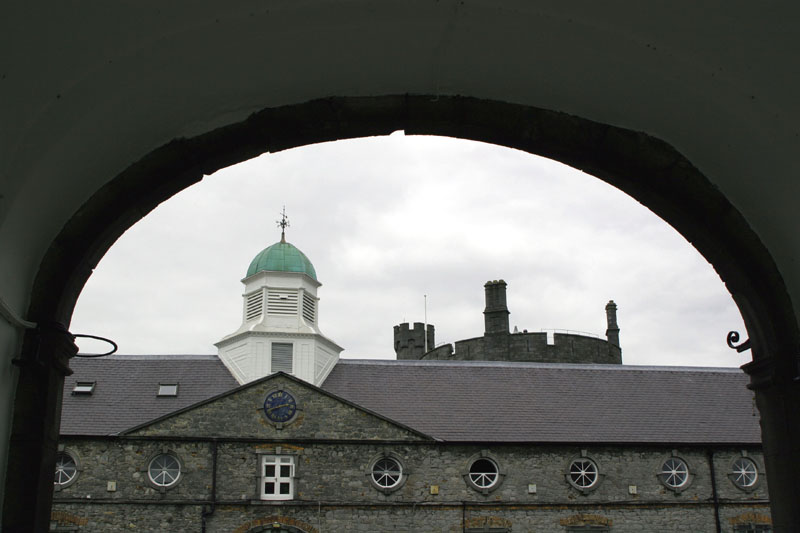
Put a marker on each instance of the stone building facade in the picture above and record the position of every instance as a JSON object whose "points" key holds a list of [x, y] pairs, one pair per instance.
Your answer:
{"points": [[333, 446], [508, 432]]}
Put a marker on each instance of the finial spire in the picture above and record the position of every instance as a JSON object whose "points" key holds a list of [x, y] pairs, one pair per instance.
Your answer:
{"points": [[283, 223]]}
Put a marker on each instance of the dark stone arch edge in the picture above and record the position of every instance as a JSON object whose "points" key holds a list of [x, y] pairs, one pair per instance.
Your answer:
{"points": [[644, 167]]}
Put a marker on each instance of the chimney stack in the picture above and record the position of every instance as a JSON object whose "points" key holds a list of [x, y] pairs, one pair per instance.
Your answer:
{"points": [[496, 312], [612, 333]]}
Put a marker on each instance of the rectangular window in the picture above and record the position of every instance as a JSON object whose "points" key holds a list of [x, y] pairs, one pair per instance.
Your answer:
{"points": [[83, 387], [167, 389], [277, 477], [282, 357]]}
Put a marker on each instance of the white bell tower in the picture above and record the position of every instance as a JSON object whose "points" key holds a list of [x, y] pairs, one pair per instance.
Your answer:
{"points": [[279, 330]]}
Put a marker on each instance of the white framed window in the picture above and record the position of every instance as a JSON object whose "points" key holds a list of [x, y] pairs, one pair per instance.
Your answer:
{"points": [[675, 474], [167, 389], [282, 357], [482, 472], [164, 470], [277, 477], [386, 472], [744, 473], [66, 470], [83, 387], [583, 474]]}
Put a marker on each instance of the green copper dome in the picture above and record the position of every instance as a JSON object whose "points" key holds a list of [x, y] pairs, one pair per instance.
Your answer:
{"points": [[282, 257]]}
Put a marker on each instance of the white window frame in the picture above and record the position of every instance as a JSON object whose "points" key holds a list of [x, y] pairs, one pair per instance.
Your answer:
{"points": [[581, 468], [668, 474], [66, 479], [175, 472], [738, 472], [277, 480], [483, 482]]}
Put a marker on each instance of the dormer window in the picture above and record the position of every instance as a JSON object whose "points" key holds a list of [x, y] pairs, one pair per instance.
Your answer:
{"points": [[167, 389], [84, 387]]}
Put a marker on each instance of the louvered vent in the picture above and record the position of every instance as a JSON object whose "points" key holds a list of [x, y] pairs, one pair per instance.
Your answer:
{"points": [[253, 306], [308, 308], [281, 357], [282, 302]]}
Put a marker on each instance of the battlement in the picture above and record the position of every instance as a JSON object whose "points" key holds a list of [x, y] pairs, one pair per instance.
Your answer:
{"points": [[409, 342], [497, 344]]}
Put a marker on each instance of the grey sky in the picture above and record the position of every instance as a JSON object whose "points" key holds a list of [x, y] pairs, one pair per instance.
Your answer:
{"points": [[386, 220]]}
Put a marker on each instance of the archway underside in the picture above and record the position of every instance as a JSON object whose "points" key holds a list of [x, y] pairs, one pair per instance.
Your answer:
{"points": [[644, 167]]}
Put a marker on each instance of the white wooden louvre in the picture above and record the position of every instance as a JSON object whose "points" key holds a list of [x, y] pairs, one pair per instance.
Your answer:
{"points": [[281, 357]]}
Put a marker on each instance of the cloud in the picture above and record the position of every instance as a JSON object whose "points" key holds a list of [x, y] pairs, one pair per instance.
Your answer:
{"points": [[386, 220]]}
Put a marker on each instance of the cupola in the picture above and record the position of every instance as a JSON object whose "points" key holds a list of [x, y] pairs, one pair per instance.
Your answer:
{"points": [[279, 330]]}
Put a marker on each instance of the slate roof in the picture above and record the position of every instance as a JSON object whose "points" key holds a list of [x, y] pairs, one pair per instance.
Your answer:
{"points": [[539, 402], [125, 393], [463, 401]]}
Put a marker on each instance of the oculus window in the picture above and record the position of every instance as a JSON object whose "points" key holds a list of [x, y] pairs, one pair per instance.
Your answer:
{"points": [[583, 474], [674, 474], [66, 470], [744, 473], [386, 473], [164, 470], [483, 473], [277, 477]]}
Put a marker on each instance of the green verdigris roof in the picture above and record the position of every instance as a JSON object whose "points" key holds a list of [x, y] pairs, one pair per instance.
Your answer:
{"points": [[282, 257]]}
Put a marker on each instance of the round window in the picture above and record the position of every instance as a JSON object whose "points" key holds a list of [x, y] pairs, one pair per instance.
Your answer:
{"points": [[164, 470], [674, 473], [483, 473], [744, 473], [387, 472], [66, 469], [583, 473]]}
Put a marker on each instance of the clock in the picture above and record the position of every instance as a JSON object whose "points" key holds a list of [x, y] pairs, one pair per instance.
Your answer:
{"points": [[280, 406]]}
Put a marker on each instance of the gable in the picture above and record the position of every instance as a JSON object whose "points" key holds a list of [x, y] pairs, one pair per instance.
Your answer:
{"points": [[240, 414]]}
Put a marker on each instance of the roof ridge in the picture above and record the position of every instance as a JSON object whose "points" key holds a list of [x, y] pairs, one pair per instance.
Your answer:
{"points": [[531, 364]]}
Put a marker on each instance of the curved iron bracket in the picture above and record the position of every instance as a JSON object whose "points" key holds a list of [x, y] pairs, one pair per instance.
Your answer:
{"points": [[733, 338], [109, 341]]}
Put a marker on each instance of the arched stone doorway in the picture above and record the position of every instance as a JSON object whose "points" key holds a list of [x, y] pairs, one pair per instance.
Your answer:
{"points": [[646, 168]]}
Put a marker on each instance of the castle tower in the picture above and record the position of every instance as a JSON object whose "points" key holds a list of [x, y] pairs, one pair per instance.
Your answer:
{"points": [[280, 317], [410, 343]]}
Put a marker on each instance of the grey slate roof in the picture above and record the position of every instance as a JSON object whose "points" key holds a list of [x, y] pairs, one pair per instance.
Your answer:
{"points": [[538, 402], [455, 401], [125, 393]]}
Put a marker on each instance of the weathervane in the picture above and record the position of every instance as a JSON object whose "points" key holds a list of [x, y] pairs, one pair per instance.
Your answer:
{"points": [[283, 223]]}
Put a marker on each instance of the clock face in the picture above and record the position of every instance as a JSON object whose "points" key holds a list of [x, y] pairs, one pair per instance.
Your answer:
{"points": [[280, 406]]}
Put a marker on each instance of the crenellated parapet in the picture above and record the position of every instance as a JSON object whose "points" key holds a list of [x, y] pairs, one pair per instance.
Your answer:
{"points": [[409, 342], [498, 344]]}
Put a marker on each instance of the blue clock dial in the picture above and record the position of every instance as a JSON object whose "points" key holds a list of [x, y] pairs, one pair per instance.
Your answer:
{"points": [[280, 406]]}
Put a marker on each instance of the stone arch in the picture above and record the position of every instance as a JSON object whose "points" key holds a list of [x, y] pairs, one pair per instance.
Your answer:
{"points": [[646, 168]]}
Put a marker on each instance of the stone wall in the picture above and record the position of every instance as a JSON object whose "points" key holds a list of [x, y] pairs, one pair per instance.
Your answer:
{"points": [[518, 347], [333, 492]]}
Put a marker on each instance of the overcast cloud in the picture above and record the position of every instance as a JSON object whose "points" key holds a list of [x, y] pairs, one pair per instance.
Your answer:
{"points": [[387, 220]]}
